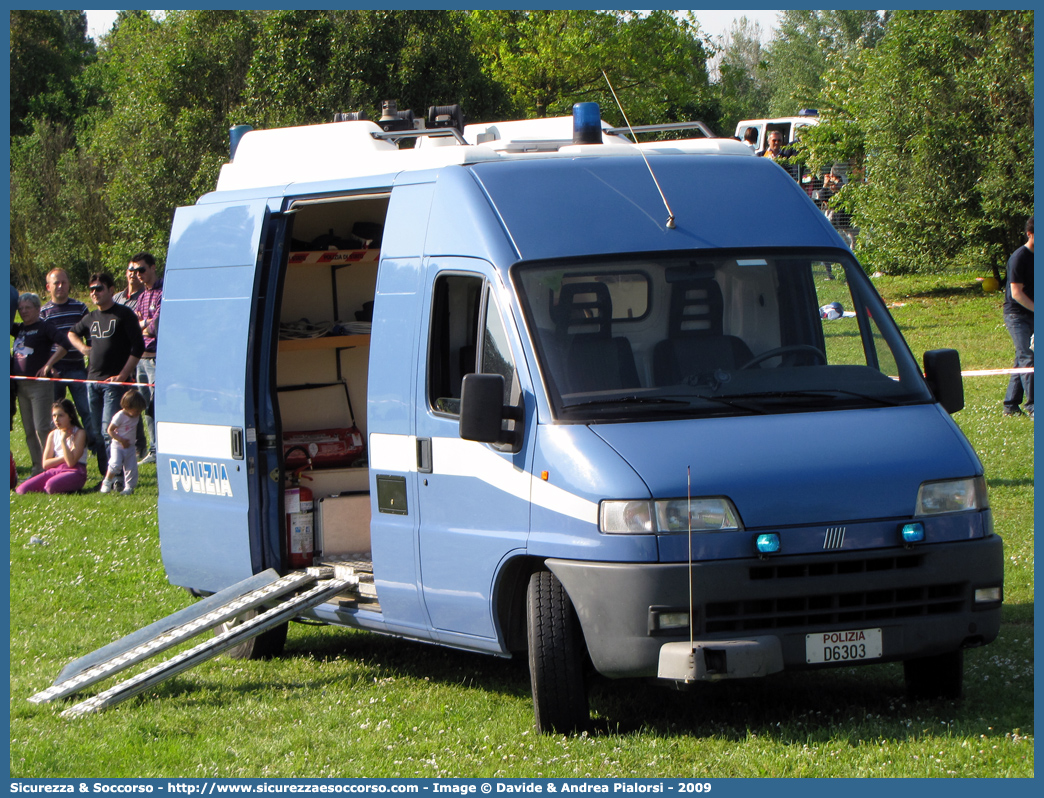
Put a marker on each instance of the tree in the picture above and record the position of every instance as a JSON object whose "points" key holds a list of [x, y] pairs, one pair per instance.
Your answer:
{"points": [[743, 75], [56, 219], [49, 50], [549, 60], [309, 65], [806, 44], [940, 114], [170, 86], [420, 58]]}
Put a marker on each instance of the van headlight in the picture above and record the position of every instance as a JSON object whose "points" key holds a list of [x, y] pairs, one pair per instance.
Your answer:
{"points": [[952, 496], [642, 517], [621, 518]]}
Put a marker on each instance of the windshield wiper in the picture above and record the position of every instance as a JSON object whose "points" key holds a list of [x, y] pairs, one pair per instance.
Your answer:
{"points": [[818, 393], [660, 400], [627, 400]]}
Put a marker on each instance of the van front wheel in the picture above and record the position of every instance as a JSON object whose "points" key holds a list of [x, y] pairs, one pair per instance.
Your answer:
{"points": [[556, 657]]}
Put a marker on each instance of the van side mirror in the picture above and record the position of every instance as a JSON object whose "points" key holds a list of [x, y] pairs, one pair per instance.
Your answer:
{"points": [[942, 371], [482, 411]]}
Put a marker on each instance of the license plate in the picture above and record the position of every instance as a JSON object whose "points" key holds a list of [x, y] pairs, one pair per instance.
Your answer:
{"points": [[850, 645]]}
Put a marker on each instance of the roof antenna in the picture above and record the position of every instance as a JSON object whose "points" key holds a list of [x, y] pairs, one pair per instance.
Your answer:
{"points": [[670, 213], [688, 512]]}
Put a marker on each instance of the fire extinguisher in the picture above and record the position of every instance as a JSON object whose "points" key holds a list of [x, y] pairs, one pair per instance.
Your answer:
{"points": [[300, 536]]}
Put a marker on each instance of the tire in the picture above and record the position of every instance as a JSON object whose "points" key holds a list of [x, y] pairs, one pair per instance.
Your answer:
{"points": [[940, 676], [557, 655], [266, 645]]}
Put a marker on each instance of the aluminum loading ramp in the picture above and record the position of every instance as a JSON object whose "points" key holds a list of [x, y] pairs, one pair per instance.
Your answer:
{"points": [[267, 588]]}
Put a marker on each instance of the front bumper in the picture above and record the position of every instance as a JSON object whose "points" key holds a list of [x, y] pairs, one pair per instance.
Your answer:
{"points": [[761, 610], [707, 660]]}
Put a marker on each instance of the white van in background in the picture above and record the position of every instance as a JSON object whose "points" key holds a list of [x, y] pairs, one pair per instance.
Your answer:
{"points": [[787, 125]]}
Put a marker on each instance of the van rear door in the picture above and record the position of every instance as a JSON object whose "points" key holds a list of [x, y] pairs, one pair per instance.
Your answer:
{"points": [[205, 395]]}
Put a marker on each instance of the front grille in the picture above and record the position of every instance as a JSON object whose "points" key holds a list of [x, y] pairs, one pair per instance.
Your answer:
{"points": [[836, 567], [832, 608]]}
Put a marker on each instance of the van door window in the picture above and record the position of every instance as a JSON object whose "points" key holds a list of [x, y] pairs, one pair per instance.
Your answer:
{"points": [[497, 358], [467, 333], [454, 331], [496, 352]]}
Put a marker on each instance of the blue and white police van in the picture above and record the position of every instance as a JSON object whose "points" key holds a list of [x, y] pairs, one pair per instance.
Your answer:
{"points": [[599, 418]]}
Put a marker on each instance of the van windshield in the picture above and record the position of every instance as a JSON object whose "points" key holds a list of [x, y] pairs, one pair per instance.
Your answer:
{"points": [[739, 333]]}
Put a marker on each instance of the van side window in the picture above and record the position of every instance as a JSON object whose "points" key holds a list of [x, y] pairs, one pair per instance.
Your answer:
{"points": [[452, 351], [496, 352]]}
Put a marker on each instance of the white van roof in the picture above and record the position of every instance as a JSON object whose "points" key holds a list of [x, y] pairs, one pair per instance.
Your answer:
{"points": [[793, 121], [311, 153]]}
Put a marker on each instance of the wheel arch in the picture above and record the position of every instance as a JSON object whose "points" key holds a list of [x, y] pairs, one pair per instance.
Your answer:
{"points": [[509, 600]]}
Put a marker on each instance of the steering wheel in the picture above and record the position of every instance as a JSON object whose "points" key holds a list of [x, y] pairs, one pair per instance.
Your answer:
{"points": [[712, 380], [782, 350]]}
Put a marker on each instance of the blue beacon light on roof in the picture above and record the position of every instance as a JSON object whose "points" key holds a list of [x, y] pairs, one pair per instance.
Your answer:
{"points": [[587, 123]]}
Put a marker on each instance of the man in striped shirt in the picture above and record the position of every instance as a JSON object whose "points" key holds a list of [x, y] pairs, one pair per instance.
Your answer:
{"points": [[64, 312], [129, 297], [148, 310]]}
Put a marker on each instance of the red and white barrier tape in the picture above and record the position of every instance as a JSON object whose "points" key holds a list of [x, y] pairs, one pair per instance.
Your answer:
{"points": [[995, 372], [971, 373], [62, 379]]}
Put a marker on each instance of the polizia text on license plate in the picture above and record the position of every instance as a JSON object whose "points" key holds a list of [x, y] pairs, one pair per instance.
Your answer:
{"points": [[845, 646]]}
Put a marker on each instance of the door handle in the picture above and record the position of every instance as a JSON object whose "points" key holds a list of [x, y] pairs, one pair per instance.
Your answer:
{"points": [[424, 455], [237, 443]]}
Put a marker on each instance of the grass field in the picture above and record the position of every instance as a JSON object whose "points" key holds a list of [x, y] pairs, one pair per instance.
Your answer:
{"points": [[354, 704]]}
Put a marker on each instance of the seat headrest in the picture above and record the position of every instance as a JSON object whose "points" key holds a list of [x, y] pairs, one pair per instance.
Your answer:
{"points": [[696, 309], [584, 308]]}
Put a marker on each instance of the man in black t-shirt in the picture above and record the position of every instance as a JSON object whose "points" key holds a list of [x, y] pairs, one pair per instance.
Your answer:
{"points": [[1018, 318], [116, 344]]}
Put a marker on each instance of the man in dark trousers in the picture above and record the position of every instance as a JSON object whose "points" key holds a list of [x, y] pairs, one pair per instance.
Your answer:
{"points": [[65, 311], [148, 309], [1018, 318], [129, 297], [116, 345]]}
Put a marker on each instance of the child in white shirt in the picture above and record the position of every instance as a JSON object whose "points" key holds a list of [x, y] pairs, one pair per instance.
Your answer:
{"points": [[122, 454]]}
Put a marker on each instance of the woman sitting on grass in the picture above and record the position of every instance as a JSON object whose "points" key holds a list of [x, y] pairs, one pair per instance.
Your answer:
{"points": [[64, 454]]}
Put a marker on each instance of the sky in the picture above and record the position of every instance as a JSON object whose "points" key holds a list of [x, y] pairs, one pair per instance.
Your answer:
{"points": [[715, 23]]}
